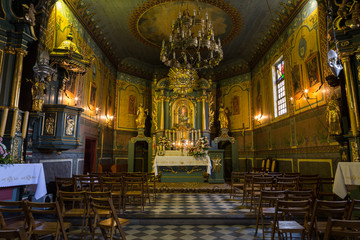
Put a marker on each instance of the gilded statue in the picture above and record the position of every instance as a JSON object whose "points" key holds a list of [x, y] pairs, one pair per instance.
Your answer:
{"points": [[49, 125], [70, 124], [141, 116], [38, 95], [223, 118], [333, 117]]}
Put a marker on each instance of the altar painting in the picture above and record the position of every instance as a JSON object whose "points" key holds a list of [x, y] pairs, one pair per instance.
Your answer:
{"points": [[183, 114]]}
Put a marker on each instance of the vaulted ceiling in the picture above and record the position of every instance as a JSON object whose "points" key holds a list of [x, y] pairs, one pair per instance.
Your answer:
{"points": [[135, 28]]}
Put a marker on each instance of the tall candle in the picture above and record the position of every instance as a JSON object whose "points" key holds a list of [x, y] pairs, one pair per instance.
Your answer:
{"points": [[13, 126], [3, 121], [25, 123]]}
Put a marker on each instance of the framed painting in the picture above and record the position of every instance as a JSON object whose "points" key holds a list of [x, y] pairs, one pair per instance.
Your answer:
{"points": [[70, 85], [296, 80], [92, 94], [132, 105], [312, 69], [235, 105]]}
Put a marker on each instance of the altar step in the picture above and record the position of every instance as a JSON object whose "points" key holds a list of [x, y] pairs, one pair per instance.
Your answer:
{"points": [[192, 187]]}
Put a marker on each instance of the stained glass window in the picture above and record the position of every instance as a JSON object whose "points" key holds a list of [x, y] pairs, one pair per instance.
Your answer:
{"points": [[280, 94]]}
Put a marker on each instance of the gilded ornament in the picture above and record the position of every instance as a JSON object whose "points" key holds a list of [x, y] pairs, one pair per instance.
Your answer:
{"points": [[15, 150], [141, 116], [155, 114], [182, 81], [70, 125], [38, 95], [223, 118], [211, 111], [333, 117], [355, 151], [216, 163], [18, 123], [49, 125]]}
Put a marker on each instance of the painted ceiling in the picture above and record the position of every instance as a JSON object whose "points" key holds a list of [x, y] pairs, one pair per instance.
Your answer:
{"points": [[134, 29]]}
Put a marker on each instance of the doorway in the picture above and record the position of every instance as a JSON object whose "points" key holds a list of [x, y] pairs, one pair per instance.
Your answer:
{"points": [[90, 156], [141, 157], [228, 168]]}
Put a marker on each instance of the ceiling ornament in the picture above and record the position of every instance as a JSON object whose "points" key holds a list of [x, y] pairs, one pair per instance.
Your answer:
{"points": [[233, 14], [182, 81], [192, 43]]}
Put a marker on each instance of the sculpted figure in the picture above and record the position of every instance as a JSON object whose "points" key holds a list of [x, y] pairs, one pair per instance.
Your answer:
{"points": [[38, 95], [70, 124], [333, 117], [141, 116], [223, 118]]}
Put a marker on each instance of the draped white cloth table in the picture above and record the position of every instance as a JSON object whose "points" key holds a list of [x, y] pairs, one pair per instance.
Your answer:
{"points": [[165, 161], [347, 173], [24, 174]]}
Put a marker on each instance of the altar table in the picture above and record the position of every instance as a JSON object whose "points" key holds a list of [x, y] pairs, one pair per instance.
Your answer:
{"points": [[182, 166], [347, 173], [24, 174]]}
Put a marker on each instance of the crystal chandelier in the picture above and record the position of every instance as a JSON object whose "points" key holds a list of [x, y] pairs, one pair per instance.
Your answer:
{"points": [[192, 43]]}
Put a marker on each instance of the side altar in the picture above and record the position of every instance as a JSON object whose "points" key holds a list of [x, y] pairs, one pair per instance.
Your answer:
{"points": [[175, 166]]}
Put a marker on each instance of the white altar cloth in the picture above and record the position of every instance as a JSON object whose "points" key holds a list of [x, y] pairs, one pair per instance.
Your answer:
{"points": [[161, 161], [24, 174], [347, 173]]}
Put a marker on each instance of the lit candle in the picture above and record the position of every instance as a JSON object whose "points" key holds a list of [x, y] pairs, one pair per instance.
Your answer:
{"points": [[25, 123], [13, 126], [3, 121]]}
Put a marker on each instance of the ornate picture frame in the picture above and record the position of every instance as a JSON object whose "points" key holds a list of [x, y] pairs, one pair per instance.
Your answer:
{"points": [[92, 94], [70, 85], [313, 69], [296, 79]]}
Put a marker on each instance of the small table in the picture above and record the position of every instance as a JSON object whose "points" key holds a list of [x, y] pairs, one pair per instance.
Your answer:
{"points": [[24, 174], [182, 168], [347, 173]]}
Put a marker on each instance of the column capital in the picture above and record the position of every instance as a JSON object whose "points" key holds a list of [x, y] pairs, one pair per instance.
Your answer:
{"points": [[10, 50], [21, 51]]}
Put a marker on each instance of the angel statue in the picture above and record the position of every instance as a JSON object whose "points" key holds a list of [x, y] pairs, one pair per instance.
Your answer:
{"points": [[223, 118], [141, 116]]}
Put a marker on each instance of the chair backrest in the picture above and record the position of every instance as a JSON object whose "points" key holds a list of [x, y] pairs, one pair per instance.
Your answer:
{"points": [[337, 228], [64, 184], [70, 200], [283, 183], [262, 183], [13, 208], [14, 234], [134, 183], [293, 210], [269, 198], [90, 183], [112, 184], [298, 195]]}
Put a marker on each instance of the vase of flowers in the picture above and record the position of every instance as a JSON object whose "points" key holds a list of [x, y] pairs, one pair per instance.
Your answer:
{"points": [[200, 149], [163, 144], [5, 156]]}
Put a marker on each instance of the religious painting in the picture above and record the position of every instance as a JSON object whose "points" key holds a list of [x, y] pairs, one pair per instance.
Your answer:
{"points": [[312, 67], [296, 82], [132, 105], [235, 105], [183, 115], [92, 94], [70, 84]]}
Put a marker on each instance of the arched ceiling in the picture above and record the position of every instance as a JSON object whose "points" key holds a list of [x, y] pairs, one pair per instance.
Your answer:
{"points": [[134, 29]]}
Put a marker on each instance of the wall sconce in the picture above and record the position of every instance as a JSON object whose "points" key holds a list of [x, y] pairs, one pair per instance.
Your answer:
{"points": [[259, 118], [97, 110], [306, 95], [76, 99], [291, 100]]}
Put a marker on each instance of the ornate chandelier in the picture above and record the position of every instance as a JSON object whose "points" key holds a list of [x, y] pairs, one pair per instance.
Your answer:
{"points": [[192, 43]]}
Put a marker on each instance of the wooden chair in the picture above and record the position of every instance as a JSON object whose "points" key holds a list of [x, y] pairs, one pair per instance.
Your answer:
{"points": [[14, 234], [90, 183], [151, 179], [248, 179], [134, 192], [237, 184], [109, 225], [325, 189], [115, 186], [290, 217], [64, 184], [354, 212], [266, 207], [74, 205], [342, 229], [309, 182], [44, 227], [324, 209], [287, 183], [259, 184], [13, 209], [294, 195]]}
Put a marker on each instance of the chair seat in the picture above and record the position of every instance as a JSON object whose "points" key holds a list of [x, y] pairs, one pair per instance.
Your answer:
{"points": [[292, 226], [109, 223], [48, 227], [75, 212], [268, 210], [133, 193], [14, 225]]}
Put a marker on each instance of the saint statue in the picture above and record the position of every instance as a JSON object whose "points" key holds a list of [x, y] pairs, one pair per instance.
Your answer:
{"points": [[333, 117], [38, 95], [223, 118], [141, 116]]}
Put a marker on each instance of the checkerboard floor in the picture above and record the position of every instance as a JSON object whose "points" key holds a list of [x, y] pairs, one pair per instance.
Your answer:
{"points": [[204, 205]]}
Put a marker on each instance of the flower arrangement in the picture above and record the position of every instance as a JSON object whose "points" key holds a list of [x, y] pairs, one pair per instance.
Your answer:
{"points": [[5, 156], [200, 148], [164, 142]]}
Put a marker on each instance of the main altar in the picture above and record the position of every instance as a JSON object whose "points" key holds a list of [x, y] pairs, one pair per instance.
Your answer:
{"points": [[177, 167]]}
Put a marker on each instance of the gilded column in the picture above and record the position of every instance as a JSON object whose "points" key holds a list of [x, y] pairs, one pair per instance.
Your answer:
{"points": [[350, 94], [204, 114], [15, 91], [162, 109]]}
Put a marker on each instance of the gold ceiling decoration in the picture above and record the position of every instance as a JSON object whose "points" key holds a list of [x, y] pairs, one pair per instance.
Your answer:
{"points": [[232, 13]]}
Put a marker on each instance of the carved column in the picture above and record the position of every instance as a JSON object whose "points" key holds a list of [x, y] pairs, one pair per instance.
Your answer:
{"points": [[351, 96], [15, 91], [204, 118], [162, 111]]}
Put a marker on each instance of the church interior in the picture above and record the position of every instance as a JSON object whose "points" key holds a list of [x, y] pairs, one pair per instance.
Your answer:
{"points": [[189, 93]]}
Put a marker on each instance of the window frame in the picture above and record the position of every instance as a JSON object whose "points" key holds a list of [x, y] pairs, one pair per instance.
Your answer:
{"points": [[279, 90]]}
